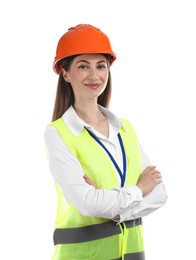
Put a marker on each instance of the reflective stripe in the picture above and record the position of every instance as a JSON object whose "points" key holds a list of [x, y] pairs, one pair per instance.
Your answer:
{"points": [[133, 223], [89, 233], [84, 234], [133, 256]]}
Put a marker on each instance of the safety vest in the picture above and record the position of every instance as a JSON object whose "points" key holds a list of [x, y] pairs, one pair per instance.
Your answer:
{"points": [[81, 237]]}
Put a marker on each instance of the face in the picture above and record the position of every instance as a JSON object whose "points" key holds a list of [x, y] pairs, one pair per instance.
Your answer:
{"points": [[88, 76]]}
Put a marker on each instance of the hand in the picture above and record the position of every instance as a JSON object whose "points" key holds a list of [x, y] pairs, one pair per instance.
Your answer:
{"points": [[87, 180], [149, 178]]}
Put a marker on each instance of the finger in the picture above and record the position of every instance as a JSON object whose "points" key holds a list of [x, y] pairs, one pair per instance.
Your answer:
{"points": [[86, 179], [159, 180], [155, 172], [157, 176], [151, 167]]}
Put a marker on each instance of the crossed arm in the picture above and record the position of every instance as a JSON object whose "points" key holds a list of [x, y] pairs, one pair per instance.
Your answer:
{"points": [[122, 203], [153, 191]]}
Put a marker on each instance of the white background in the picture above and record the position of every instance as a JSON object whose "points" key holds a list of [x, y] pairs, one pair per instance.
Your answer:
{"points": [[154, 80]]}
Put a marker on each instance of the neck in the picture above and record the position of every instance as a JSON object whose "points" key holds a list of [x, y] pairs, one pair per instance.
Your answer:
{"points": [[89, 112]]}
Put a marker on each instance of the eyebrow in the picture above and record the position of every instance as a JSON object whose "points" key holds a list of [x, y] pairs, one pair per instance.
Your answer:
{"points": [[100, 61]]}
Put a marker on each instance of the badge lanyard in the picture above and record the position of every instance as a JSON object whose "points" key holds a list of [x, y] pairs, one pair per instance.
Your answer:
{"points": [[122, 174]]}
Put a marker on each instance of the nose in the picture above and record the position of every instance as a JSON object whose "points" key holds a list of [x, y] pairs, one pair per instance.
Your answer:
{"points": [[92, 76]]}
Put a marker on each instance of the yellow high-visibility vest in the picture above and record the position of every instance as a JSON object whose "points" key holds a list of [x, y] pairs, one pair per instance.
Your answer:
{"points": [[81, 237]]}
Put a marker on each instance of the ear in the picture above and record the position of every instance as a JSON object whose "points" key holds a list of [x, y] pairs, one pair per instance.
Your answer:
{"points": [[65, 76]]}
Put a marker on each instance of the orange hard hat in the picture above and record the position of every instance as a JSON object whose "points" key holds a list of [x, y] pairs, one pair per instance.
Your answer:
{"points": [[81, 39]]}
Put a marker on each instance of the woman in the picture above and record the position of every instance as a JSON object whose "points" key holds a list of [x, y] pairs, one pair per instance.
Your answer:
{"points": [[104, 181]]}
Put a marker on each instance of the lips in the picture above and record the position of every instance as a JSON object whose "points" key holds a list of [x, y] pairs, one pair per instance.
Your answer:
{"points": [[93, 85]]}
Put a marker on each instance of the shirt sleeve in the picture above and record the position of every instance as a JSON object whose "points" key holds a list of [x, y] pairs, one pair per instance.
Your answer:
{"points": [[151, 202], [68, 174]]}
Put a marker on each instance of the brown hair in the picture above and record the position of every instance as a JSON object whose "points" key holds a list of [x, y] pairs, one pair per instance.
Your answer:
{"points": [[65, 96]]}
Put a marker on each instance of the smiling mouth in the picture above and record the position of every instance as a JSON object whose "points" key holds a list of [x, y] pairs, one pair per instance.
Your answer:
{"points": [[93, 86]]}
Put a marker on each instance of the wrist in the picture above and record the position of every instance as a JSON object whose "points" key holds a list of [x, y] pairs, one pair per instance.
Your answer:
{"points": [[142, 189]]}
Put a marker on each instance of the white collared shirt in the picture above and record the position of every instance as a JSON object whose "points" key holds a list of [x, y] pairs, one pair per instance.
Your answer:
{"points": [[68, 173]]}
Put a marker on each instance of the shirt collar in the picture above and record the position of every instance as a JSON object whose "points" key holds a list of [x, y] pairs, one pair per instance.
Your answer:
{"points": [[76, 124]]}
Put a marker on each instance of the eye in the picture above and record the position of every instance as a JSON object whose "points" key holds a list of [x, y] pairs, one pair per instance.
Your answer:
{"points": [[101, 66], [83, 67]]}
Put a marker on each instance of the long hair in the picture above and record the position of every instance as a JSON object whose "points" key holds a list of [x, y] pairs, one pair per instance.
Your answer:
{"points": [[65, 96]]}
